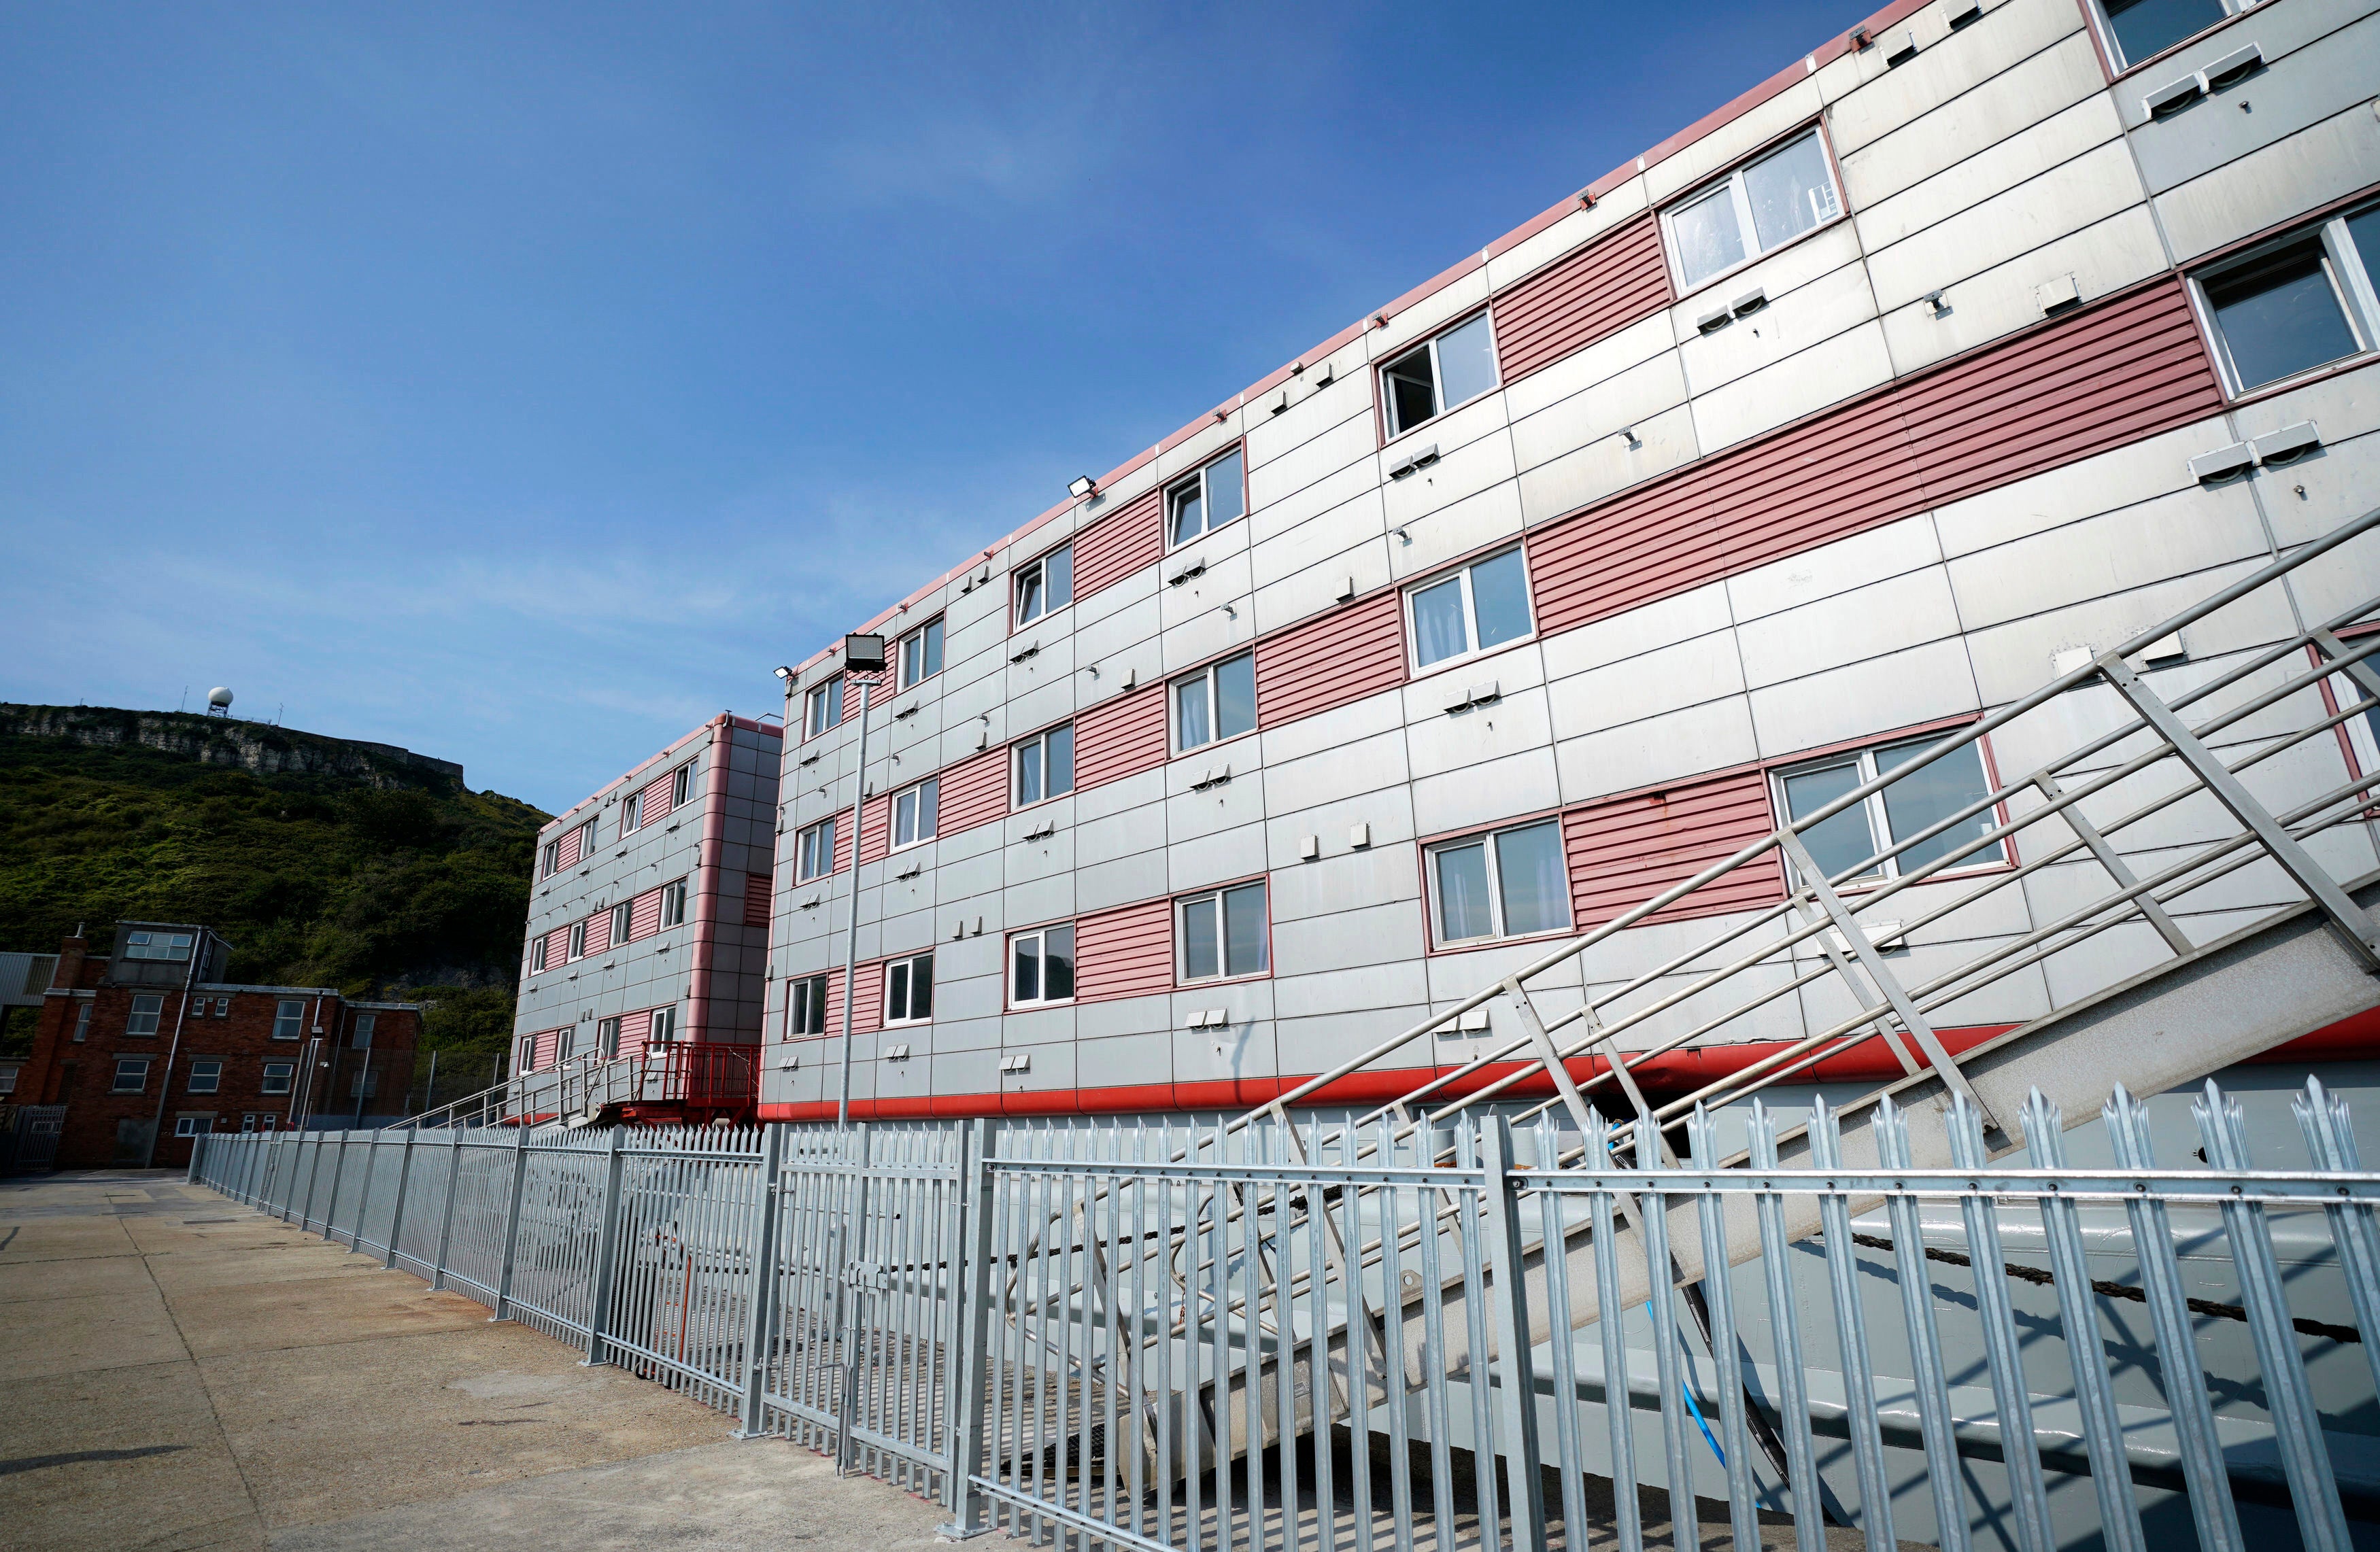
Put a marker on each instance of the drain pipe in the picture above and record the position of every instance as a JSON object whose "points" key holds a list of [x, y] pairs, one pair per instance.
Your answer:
{"points": [[165, 1088]]}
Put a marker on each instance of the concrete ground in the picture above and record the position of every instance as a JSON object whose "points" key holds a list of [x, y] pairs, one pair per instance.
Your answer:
{"points": [[183, 1372]]}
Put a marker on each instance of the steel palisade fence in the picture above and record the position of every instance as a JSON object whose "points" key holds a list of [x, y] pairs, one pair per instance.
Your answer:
{"points": [[1115, 1336]]}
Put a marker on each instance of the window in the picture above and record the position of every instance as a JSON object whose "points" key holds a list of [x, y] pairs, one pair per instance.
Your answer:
{"points": [[8, 1080], [1045, 765], [537, 954], [804, 1007], [194, 1126], [364, 1084], [607, 1037], [682, 783], [2306, 301], [552, 859], [622, 919], [913, 812], [1437, 374], [289, 1015], [1505, 884], [1041, 966], [131, 1075], [1485, 605], [577, 949], [206, 1076], [1208, 498], [1045, 585], [821, 711], [360, 1037], [267, 1120], [1760, 206], [814, 851], [921, 653], [909, 989], [175, 946], [2140, 28], [663, 1028], [223, 1007], [528, 1060], [82, 1021], [630, 813], [1909, 807], [278, 1077], [248, 1121], [147, 1010], [566, 1044], [1221, 933], [1215, 703], [673, 903]]}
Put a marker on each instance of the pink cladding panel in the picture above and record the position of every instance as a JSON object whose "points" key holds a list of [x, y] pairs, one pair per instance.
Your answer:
{"points": [[973, 792], [1119, 544], [867, 999], [557, 947], [656, 801], [1122, 736], [1602, 288], [1626, 850], [1356, 650], [875, 828], [599, 932], [645, 915], [1125, 952], [634, 1030]]}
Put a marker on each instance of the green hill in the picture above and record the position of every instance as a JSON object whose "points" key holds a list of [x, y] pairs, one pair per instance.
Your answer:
{"points": [[326, 862]]}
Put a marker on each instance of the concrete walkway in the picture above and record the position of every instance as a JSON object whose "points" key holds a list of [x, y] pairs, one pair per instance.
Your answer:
{"points": [[183, 1372]]}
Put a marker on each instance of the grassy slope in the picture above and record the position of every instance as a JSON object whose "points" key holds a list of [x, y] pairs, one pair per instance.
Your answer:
{"points": [[317, 880]]}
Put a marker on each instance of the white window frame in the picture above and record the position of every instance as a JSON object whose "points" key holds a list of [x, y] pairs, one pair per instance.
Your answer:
{"points": [[550, 859], [82, 1019], [2350, 286], [194, 1126], [284, 1072], [814, 850], [2360, 743], [2107, 29], [1437, 376], [213, 1074], [682, 785], [607, 1037], [566, 1044], [934, 633], [811, 991], [538, 947], [1039, 567], [1039, 936], [149, 1005], [624, 922], [1732, 179], [673, 903], [526, 1060], [1214, 707], [632, 813], [1184, 904], [576, 947], [360, 1037], [1879, 823], [141, 1063], [822, 708], [169, 947], [913, 795], [1038, 749], [1198, 477], [291, 1011], [661, 1029], [1486, 840], [910, 963], [1470, 613]]}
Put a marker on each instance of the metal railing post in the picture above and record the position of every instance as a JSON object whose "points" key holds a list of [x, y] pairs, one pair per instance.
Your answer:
{"points": [[363, 1197], [607, 1250], [446, 1218], [313, 1178], [760, 1305], [397, 1209], [512, 1222], [1516, 1408], [330, 1207], [968, 1366]]}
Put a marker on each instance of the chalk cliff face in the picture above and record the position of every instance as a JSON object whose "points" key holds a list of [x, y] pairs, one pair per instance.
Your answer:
{"points": [[258, 747]]}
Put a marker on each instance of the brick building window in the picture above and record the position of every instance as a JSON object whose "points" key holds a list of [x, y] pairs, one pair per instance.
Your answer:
{"points": [[131, 1075], [277, 1077], [147, 1009], [194, 1126], [289, 1019], [175, 946], [83, 1020], [362, 1039], [206, 1075]]}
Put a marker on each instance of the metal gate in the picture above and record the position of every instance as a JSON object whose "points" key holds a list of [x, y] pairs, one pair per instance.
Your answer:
{"points": [[29, 1137]]}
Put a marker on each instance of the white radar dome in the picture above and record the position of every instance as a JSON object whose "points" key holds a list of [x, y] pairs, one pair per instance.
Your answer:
{"points": [[219, 696]]}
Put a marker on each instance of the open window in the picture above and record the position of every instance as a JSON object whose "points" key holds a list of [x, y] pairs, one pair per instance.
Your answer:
{"points": [[682, 784], [1220, 933], [1215, 703], [1507, 883], [2305, 300], [1473, 609], [673, 893], [1448, 369], [1846, 844], [2136, 29], [1204, 502], [1754, 209], [623, 921], [1045, 585]]}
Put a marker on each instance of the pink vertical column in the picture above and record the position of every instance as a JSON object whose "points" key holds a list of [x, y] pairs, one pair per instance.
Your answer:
{"points": [[706, 880]]}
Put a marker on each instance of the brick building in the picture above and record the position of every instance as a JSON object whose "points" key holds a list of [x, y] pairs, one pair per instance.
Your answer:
{"points": [[149, 1037]]}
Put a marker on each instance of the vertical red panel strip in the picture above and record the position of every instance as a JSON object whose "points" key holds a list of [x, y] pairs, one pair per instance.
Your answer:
{"points": [[1602, 288], [645, 915], [867, 999], [1123, 736], [1119, 544], [973, 792], [1125, 952], [1332, 660], [875, 828], [1624, 852]]}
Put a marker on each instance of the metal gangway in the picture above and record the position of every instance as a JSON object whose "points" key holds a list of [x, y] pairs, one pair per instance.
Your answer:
{"points": [[2213, 867], [592, 1087]]}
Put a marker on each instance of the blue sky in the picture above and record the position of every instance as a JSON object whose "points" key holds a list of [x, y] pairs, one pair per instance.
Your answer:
{"points": [[522, 385]]}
